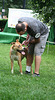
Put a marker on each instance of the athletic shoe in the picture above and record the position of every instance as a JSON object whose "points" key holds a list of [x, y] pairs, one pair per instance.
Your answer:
{"points": [[34, 75], [26, 72]]}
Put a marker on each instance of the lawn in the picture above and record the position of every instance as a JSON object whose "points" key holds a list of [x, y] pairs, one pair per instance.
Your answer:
{"points": [[26, 87]]}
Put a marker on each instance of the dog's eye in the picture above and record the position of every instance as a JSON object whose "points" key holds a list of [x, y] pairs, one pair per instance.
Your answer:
{"points": [[19, 46]]}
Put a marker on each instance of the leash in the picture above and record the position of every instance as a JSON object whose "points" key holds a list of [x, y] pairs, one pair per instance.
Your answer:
{"points": [[19, 37]]}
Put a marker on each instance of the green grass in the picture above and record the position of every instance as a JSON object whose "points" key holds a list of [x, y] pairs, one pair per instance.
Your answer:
{"points": [[26, 87]]}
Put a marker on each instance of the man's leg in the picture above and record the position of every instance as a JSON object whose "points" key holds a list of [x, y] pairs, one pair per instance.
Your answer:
{"points": [[29, 62], [37, 64], [38, 50]]}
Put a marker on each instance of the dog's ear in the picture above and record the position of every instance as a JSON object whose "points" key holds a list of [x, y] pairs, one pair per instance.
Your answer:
{"points": [[17, 40], [12, 43]]}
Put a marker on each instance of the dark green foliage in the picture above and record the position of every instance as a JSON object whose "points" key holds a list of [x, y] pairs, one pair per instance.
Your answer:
{"points": [[46, 8], [3, 23]]}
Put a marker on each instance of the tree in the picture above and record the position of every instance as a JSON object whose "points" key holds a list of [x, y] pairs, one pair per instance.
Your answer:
{"points": [[46, 9], [14, 4], [28, 4], [10, 4]]}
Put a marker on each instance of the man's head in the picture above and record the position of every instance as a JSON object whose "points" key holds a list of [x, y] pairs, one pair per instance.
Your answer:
{"points": [[20, 28]]}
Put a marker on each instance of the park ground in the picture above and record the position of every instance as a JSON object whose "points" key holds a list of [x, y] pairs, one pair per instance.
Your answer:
{"points": [[27, 87]]}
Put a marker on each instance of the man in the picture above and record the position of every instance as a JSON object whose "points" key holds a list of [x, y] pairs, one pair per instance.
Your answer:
{"points": [[38, 33]]}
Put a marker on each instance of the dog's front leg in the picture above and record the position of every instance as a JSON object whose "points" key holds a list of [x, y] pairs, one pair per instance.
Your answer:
{"points": [[12, 66], [20, 65]]}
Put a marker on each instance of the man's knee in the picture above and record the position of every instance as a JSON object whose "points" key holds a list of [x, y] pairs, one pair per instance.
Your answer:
{"points": [[30, 59]]}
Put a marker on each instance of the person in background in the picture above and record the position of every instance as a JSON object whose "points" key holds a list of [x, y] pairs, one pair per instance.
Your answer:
{"points": [[38, 34], [0, 16]]}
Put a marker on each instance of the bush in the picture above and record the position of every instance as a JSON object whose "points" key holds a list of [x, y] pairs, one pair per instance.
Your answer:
{"points": [[2, 23]]}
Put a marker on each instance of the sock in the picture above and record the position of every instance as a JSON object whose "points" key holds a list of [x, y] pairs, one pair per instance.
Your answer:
{"points": [[28, 68]]}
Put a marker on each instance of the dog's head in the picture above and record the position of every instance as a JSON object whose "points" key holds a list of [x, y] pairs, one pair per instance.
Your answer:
{"points": [[17, 46]]}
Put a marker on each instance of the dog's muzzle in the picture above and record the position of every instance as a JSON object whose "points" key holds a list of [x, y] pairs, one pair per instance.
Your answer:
{"points": [[20, 51]]}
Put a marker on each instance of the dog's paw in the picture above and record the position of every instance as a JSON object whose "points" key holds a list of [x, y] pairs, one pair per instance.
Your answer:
{"points": [[12, 71], [21, 73]]}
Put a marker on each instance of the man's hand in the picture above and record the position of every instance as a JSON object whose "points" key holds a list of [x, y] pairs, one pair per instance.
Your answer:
{"points": [[25, 43], [34, 41]]}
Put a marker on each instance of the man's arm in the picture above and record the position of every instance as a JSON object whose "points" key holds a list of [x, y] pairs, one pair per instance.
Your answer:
{"points": [[34, 41]]}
